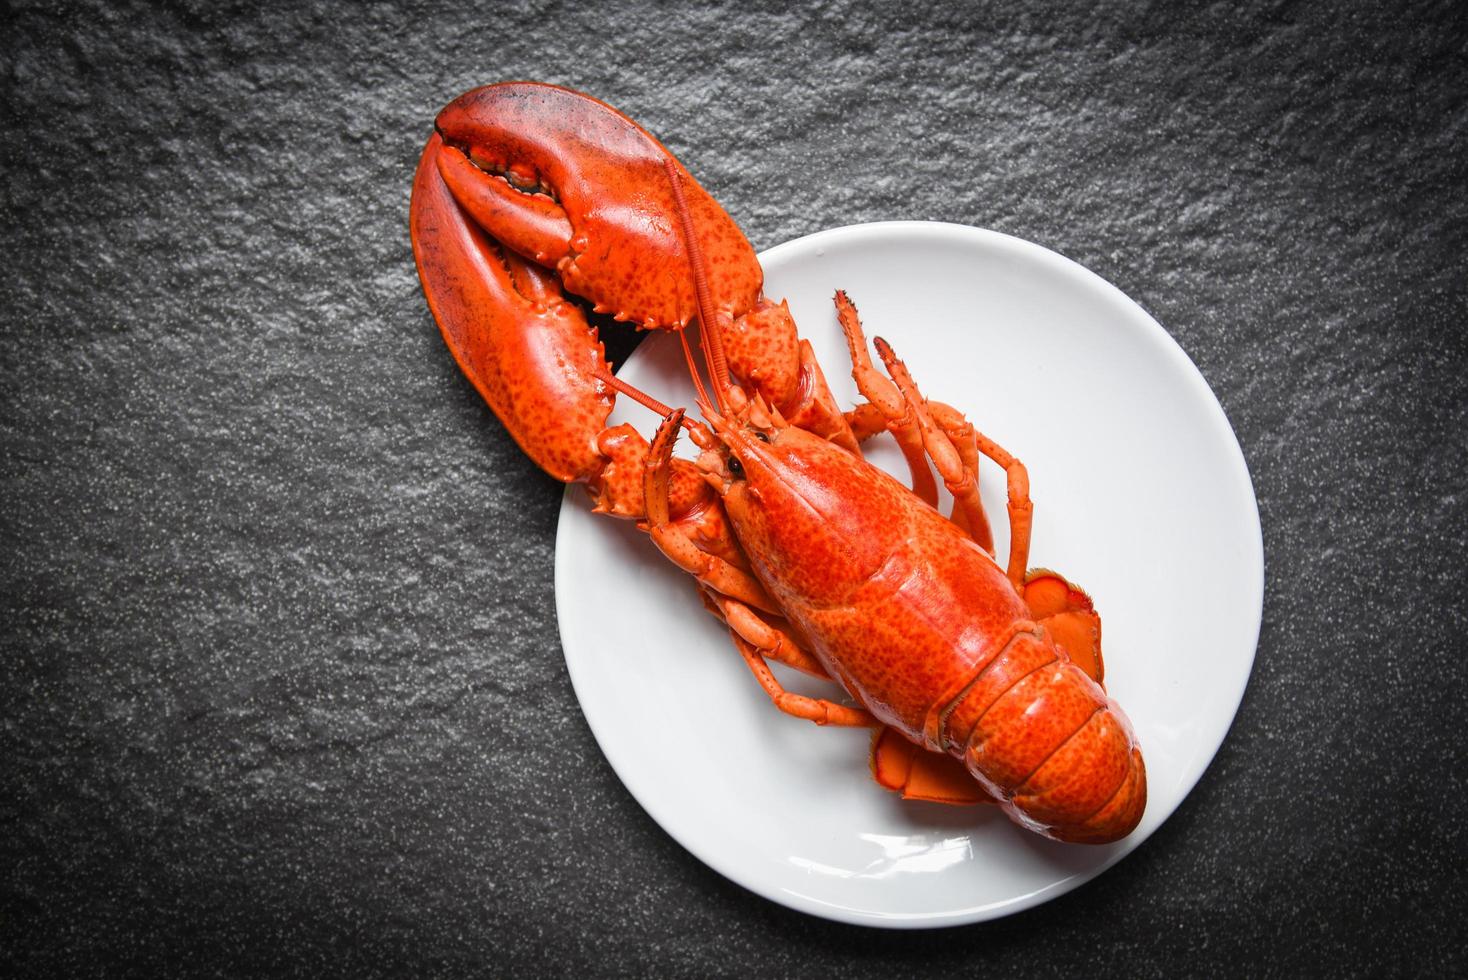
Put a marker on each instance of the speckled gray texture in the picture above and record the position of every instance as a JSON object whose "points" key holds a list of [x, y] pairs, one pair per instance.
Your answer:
{"points": [[280, 681]]}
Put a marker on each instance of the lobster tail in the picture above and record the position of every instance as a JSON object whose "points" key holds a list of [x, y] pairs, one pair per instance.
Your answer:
{"points": [[1047, 742]]}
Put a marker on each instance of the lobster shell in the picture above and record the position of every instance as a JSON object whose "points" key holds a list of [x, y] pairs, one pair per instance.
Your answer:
{"points": [[527, 193]]}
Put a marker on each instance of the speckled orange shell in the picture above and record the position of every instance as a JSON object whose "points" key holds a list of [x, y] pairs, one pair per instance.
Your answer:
{"points": [[626, 251], [531, 356], [925, 630]]}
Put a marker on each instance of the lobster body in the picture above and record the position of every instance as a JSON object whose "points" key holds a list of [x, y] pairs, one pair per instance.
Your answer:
{"points": [[955, 661], [833, 538], [809, 554]]}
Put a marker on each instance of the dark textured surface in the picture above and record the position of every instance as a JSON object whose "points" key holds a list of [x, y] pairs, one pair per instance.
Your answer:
{"points": [[279, 674]]}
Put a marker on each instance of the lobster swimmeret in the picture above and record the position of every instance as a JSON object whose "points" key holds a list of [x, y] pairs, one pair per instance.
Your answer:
{"points": [[982, 682]]}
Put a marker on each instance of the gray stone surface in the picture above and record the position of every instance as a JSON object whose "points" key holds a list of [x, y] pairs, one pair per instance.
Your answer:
{"points": [[280, 682]]}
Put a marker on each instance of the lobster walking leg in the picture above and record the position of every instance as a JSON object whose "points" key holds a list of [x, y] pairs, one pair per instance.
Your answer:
{"points": [[711, 570], [903, 408], [962, 481], [774, 642], [867, 419], [890, 412], [961, 434], [723, 579], [818, 710], [1020, 508]]}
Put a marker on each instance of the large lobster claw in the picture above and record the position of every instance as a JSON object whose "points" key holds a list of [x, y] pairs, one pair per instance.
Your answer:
{"points": [[529, 352], [525, 189], [566, 180]]}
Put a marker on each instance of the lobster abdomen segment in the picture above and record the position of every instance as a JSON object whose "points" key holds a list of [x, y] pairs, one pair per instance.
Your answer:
{"points": [[1045, 740]]}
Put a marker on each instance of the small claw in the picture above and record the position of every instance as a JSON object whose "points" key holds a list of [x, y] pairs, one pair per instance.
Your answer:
{"points": [[657, 469]]}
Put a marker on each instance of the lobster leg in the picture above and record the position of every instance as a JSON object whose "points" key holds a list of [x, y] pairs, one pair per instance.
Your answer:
{"points": [[818, 710], [908, 419], [961, 481], [962, 435], [867, 419], [734, 592], [892, 413], [775, 642]]}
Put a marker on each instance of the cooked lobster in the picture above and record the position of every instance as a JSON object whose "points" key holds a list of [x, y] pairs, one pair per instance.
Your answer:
{"points": [[983, 682]]}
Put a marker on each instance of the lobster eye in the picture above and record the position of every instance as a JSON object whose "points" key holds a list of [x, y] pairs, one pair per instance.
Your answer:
{"points": [[736, 468], [759, 434]]}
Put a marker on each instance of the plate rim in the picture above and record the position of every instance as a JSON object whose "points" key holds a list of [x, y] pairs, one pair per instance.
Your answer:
{"points": [[1253, 554]]}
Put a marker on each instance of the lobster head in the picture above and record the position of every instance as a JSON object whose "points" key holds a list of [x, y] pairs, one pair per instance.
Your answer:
{"points": [[568, 182]]}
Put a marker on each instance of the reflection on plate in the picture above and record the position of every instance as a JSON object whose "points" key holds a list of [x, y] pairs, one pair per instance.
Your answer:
{"points": [[1141, 496]]}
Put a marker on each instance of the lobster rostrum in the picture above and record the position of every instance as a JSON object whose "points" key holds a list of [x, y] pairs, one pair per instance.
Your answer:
{"points": [[982, 682]]}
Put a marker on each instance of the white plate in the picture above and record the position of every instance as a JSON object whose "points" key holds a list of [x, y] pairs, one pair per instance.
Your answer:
{"points": [[1141, 496]]}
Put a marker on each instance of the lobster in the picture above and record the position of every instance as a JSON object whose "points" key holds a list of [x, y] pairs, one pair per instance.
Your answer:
{"points": [[982, 683]]}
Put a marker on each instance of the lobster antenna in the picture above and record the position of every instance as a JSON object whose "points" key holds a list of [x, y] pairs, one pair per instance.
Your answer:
{"points": [[638, 395], [712, 344], [703, 395]]}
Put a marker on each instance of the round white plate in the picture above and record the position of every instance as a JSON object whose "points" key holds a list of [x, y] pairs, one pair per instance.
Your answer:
{"points": [[1141, 497]]}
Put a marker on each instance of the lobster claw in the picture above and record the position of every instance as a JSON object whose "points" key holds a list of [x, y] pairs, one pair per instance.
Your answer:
{"points": [[527, 189], [565, 180], [529, 352]]}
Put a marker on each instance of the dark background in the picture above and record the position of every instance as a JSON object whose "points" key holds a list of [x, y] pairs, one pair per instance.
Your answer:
{"points": [[280, 680]]}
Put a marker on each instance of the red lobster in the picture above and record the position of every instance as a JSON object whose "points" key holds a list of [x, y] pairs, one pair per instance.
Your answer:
{"points": [[811, 556]]}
